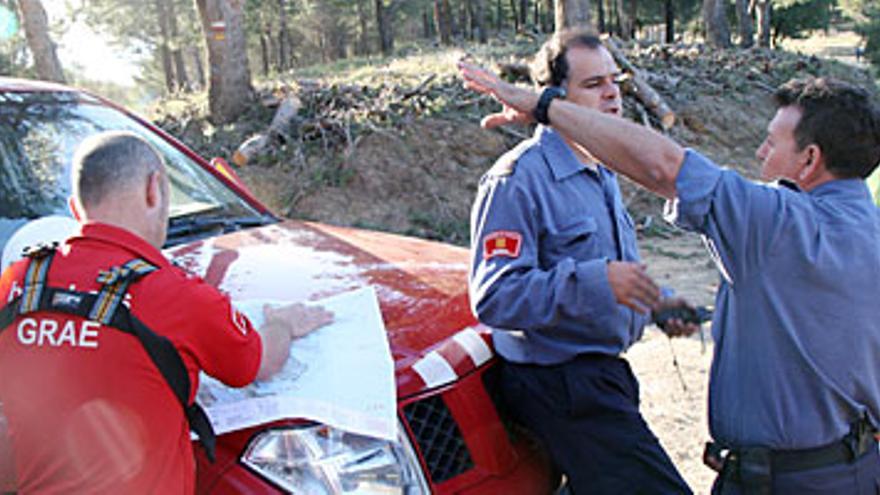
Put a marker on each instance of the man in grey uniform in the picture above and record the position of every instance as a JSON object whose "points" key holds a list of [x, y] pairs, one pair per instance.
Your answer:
{"points": [[556, 272], [794, 391]]}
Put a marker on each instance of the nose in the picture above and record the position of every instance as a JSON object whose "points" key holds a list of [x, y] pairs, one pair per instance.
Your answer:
{"points": [[761, 152], [610, 90]]}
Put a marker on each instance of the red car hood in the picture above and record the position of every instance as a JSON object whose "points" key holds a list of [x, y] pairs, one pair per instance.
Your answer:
{"points": [[421, 285]]}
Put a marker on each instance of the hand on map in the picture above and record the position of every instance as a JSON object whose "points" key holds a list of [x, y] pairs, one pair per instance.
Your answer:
{"points": [[301, 319]]}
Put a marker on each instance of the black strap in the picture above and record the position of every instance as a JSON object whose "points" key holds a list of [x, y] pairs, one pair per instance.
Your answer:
{"points": [[106, 305]]}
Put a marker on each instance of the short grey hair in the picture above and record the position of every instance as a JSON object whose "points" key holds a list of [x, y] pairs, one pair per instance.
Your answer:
{"points": [[111, 162]]}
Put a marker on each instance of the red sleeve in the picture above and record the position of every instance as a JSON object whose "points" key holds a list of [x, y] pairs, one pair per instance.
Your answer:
{"points": [[201, 322]]}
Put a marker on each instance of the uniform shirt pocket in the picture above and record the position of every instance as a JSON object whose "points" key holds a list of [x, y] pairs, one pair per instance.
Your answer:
{"points": [[578, 240]]}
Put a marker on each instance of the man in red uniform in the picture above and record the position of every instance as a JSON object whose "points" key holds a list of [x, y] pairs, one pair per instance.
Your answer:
{"points": [[88, 409]]}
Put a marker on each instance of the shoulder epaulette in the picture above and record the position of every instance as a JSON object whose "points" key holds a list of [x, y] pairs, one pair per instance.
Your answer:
{"points": [[506, 164]]}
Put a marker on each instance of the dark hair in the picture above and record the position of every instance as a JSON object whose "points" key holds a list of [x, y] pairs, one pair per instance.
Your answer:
{"points": [[839, 118], [549, 66], [109, 163]]}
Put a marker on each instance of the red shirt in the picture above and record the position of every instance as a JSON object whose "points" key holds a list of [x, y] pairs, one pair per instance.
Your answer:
{"points": [[88, 410]]}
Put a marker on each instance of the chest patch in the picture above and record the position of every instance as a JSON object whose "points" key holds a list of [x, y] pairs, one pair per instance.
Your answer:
{"points": [[502, 243]]}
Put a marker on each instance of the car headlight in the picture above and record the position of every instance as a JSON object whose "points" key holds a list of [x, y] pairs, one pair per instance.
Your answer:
{"points": [[319, 460]]}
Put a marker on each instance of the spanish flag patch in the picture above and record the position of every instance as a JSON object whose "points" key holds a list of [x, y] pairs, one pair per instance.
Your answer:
{"points": [[502, 243]]}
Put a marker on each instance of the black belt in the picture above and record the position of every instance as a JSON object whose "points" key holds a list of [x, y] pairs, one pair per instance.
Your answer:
{"points": [[738, 462]]}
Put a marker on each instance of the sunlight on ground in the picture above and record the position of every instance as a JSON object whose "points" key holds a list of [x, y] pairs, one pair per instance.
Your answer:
{"points": [[839, 45]]}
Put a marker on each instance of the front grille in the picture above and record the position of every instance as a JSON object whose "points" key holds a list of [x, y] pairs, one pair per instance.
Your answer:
{"points": [[438, 438]]}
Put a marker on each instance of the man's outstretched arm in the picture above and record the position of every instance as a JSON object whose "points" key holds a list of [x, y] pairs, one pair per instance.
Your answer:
{"points": [[641, 154]]}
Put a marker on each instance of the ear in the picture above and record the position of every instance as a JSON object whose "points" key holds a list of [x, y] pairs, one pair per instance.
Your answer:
{"points": [[74, 209], [154, 190], [814, 164]]}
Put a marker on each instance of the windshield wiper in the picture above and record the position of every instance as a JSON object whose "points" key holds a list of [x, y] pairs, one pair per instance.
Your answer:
{"points": [[204, 225]]}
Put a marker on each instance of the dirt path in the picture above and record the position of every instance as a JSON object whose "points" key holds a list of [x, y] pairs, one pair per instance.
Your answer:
{"points": [[678, 415]]}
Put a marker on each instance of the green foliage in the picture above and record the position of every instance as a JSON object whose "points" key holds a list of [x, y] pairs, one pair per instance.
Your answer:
{"points": [[796, 18]]}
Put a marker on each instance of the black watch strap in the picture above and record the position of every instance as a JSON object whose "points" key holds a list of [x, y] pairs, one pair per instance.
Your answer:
{"points": [[541, 111]]}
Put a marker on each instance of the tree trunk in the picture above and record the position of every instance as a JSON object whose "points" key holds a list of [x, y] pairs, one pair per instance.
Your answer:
{"points": [[572, 14], [515, 14], [182, 78], [427, 32], [197, 63], [363, 40], [441, 21], [600, 21], [547, 18], [36, 28], [164, 51], [633, 18], [283, 43], [715, 21], [499, 16], [264, 53], [624, 23], [746, 24], [669, 13], [763, 12], [480, 20], [229, 89], [523, 13], [385, 27]]}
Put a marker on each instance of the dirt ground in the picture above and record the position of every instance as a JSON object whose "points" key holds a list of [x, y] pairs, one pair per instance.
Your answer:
{"points": [[674, 400]]}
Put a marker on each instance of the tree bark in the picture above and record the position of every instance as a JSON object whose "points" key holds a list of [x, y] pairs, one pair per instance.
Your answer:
{"points": [[197, 62], [624, 22], [548, 17], [283, 37], [572, 14], [715, 21], [746, 24], [763, 13], [384, 15], [229, 88], [36, 28], [164, 50], [515, 14], [180, 74], [363, 40], [442, 21], [669, 14], [480, 20], [264, 52]]}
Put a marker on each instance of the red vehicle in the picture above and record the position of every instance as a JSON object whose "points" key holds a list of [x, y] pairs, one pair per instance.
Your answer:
{"points": [[452, 438]]}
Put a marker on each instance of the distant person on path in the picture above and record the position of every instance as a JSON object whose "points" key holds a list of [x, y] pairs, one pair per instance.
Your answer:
{"points": [[555, 272], [794, 389]]}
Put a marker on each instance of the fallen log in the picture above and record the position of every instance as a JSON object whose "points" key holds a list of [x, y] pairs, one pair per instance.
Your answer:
{"points": [[259, 144], [643, 91]]}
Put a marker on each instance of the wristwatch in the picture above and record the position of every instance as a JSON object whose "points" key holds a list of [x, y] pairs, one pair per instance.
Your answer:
{"points": [[547, 96]]}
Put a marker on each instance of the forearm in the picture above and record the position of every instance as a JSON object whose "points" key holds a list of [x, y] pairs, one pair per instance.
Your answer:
{"points": [[641, 154], [561, 298], [276, 339]]}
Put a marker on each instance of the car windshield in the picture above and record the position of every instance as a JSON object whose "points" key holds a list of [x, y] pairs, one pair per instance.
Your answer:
{"points": [[39, 132]]}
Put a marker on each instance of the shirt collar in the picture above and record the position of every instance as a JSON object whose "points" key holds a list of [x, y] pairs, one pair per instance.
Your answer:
{"points": [[559, 156], [842, 187], [124, 239]]}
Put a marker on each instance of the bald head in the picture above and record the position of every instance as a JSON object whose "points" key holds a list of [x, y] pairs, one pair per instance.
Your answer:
{"points": [[109, 164], [119, 178]]}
